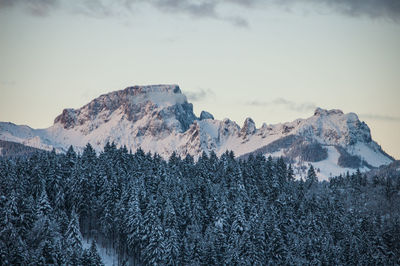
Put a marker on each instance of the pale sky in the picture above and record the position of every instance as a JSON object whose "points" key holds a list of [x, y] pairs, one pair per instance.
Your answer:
{"points": [[270, 61]]}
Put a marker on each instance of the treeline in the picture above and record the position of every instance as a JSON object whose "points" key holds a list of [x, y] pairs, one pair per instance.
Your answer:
{"points": [[11, 149], [213, 211]]}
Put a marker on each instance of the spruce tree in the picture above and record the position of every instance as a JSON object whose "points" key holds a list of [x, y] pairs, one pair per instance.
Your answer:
{"points": [[311, 176], [73, 239], [171, 244]]}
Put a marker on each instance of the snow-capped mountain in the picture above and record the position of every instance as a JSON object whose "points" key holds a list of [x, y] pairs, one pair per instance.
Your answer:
{"points": [[159, 119]]}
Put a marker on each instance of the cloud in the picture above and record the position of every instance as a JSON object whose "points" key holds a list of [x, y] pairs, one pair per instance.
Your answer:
{"points": [[380, 117], [293, 106], [387, 9], [371, 8], [199, 9], [106, 8], [35, 7], [199, 95]]}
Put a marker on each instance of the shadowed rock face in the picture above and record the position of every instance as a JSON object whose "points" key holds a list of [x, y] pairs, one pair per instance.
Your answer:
{"points": [[249, 127], [206, 115], [322, 112], [67, 118], [360, 132]]}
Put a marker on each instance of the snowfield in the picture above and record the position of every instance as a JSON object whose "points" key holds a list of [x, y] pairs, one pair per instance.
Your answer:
{"points": [[159, 119], [329, 167]]}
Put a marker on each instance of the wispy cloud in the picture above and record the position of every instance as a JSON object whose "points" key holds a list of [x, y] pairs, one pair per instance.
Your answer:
{"points": [[35, 7], [290, 105], [371, 8], [199, 95], [107, 8], [380, 117], [388, 9]]}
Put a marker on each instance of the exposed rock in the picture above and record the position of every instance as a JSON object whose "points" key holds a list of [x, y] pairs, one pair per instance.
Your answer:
{"points": [[321, 112], [206, 115], [249, 127], [67, 118]]}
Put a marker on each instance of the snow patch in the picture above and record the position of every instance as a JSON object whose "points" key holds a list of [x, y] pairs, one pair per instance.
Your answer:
{"points": [[161, 99], [329, 167], [371, 156], [208, 127], [276, 154]]}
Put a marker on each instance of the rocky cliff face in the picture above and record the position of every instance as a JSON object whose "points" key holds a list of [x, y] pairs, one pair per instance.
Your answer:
{"points": [[160, 102], [335, 127], [159, 119]]}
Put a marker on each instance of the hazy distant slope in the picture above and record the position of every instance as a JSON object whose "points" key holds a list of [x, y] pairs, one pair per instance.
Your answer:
{"points": [[13, 149]]}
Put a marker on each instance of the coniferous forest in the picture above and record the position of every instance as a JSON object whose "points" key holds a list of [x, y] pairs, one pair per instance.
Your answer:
{"points": [[212, 211]]}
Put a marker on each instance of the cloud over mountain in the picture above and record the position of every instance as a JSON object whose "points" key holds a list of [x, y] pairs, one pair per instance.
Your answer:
{"points": [[290, 105]]}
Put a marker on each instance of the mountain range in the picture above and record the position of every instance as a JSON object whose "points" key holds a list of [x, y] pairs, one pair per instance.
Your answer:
{"points": [[159, 119]]}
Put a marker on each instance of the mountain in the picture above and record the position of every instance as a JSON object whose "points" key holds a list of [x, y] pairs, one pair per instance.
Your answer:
{"points": [[159, 119]]}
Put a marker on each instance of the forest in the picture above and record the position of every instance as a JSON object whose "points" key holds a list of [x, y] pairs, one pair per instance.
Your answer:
{"points": [[181, 211]]}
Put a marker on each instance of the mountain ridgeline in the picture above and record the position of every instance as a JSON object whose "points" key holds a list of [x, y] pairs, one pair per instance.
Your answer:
{"points": [[159, 119]]}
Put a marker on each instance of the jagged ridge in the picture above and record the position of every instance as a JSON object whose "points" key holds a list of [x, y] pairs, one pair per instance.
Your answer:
{"points": [[159, 119]]}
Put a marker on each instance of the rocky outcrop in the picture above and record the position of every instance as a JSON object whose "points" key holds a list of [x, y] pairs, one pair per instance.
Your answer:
{"points": [[206, 115], [249, 127], [67, 118]]}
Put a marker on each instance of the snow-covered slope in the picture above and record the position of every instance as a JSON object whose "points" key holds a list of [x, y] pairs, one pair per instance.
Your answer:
{"points": [[159, 119]]}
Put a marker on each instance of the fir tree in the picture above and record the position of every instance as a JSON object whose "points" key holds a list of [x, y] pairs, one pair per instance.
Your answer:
{"points": [[171, 252], [73, 239], [311, 176]]}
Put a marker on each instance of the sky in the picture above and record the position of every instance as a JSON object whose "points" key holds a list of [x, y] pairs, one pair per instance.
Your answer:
{"points": [[273, 61]]}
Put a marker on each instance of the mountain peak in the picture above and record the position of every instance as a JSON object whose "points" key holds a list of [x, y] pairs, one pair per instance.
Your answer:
{"points": [[160, 88], [324, 112], [249, 127], [132, 102], [206, 115]]}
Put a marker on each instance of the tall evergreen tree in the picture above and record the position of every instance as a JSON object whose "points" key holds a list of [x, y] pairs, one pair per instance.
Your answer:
{"points": [[311, 176], [73, 240], [171, 242]]}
